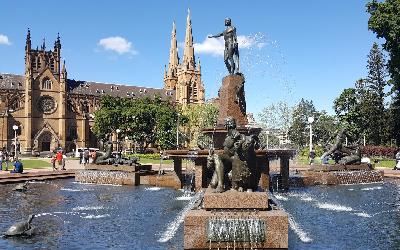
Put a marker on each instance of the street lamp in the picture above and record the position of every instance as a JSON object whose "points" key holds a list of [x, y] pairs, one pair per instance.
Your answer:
{"points": [[126, 143], [118, 131], [310, 121], [177, 133], [15, 127]]}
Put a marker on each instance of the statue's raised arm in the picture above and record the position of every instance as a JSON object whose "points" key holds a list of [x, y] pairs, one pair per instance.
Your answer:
{"points": [[216, 36], [231, 52]]}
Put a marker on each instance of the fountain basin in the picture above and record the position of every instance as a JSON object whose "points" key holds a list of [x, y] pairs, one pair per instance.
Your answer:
{"points": [[109, 174], [340, 174]]}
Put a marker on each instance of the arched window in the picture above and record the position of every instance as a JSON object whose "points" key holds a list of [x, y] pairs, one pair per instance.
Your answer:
{"points": [[46, 83]]}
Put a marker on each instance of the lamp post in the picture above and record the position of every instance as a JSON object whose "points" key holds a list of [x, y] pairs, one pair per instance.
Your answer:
{"points": [[15, 128], [177, 133], [118, 131], [267, 138], [310, 121], [126, 144]]}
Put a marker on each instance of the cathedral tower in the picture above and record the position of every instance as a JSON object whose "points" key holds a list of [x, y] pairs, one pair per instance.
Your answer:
{"points": [[171, 73], [185, 78]]}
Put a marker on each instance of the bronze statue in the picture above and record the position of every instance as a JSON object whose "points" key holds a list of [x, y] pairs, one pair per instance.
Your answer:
{"points": [[102, 157], [236, 167], [343, 154], [107, 158], [231, 52]]}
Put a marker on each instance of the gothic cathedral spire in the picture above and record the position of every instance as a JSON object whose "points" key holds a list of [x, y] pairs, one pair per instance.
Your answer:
{"points": [[170, 78], [184, 77], [188, 53]]}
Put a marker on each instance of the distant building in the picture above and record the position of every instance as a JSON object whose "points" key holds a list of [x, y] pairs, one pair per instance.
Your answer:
{"points": [[51, 110], [184, 77]]}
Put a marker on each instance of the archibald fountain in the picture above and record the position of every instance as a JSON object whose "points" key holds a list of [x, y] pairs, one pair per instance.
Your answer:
{"points": [[235, 211]]}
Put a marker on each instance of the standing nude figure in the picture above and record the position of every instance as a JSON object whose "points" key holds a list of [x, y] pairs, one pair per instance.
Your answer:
{"points": [[231, 52]]}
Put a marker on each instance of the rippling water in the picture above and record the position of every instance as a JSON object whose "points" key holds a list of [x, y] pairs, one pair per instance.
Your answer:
{"points": [[344, 217], [78, 216]]}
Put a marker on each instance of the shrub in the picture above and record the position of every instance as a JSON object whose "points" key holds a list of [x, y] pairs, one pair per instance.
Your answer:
{"points": [[378, 151]]}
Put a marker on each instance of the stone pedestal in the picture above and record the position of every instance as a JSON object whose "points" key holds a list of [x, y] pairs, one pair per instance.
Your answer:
{"points": [[236, 220], [234, 103], [232, 199]]}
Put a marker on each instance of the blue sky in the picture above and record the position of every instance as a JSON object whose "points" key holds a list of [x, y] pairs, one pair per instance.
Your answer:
{"points": [[292, 49]]}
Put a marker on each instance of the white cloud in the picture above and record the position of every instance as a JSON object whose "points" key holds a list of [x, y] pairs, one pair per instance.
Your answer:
{"points": [[215, 46], [212, 46], [4, 40], [117, 44]]}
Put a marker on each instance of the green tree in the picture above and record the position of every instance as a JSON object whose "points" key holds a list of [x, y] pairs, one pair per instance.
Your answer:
{"points": [[198, 117], [298, 130], [374, 100], [276, 116], [385, 23], [324, 127], [347, 109], [145, 121]]}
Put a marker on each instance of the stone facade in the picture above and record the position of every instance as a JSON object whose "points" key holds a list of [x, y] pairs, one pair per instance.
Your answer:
{"points": [[185, 77], [51, 110]]}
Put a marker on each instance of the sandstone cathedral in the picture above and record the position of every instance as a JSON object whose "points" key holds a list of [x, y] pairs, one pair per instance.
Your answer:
{"points": [[53, 111]]}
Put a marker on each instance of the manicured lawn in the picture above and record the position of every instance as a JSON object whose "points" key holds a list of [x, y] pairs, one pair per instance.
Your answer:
{"points": [[385, 163], [154, 161], [32, 164]]}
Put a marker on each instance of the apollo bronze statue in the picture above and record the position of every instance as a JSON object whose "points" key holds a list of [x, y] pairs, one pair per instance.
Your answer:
{"points": [[231, 52]]}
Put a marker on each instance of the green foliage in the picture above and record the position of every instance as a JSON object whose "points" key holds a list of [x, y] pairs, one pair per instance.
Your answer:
{"points": [[146, 121], [197, 118], [277, 116], [298, 132], [271, 140], [385, 23], [324, 125], [319, 150]]}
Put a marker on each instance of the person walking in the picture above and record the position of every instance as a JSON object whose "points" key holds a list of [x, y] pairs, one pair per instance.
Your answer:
{"points": [[311, 155], [6, 158], [64, 159], [80, 157], [1, 160], [86, 156], [53, 162]]}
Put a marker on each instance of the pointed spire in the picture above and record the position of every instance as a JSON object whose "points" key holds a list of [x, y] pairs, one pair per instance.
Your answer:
{"points": [[188, 54], [64, 71], [173, 54], [28, 40], [44, 44], [198, 66], [63, 67], [57, 43]]}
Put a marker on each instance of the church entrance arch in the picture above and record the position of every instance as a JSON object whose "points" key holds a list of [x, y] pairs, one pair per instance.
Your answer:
{"points": [[45, 141]]}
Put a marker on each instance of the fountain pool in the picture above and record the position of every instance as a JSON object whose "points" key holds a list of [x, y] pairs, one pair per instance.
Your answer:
{"points": [[81, 216]]}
